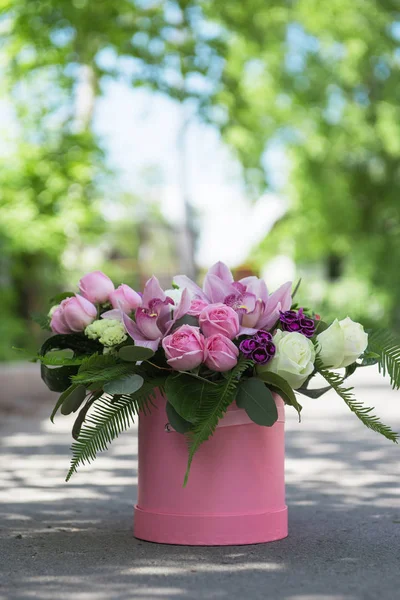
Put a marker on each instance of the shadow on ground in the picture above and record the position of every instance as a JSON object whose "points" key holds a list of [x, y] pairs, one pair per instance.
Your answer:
{"points": [[62, 541]]}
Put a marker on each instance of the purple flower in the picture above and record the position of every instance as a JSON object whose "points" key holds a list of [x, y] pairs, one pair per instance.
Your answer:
{"points": [[259, 347], [248, 345], [292, 320]]}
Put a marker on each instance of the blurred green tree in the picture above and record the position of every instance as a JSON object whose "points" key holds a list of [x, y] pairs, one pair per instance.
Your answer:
{"points": [[322, 82]]}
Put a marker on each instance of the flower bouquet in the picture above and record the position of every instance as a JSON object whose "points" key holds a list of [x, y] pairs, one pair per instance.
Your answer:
{"points": [[192, 362]]}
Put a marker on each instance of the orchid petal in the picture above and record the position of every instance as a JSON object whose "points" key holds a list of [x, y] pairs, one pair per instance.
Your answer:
{"points": [[184, 282], [283, 296], [181, 310], [221, 271], [152, 290], [216, 289]]}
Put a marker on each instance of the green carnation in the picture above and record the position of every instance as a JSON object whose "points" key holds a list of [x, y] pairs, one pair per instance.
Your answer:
{"points": [[109, 332]]}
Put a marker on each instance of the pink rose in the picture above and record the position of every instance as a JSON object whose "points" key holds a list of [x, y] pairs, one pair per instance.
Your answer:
{"points": [[96, 287], [184, 348], [221, 353], [126, 298], [73, 314], [196, 307], [219, 318]]}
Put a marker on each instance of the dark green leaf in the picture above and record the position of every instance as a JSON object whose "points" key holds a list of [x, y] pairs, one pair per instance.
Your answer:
{"points": [[61, 400], [73, 400], [186, 394], [124, 385], [58, 379], [186, 320], [296, 288], [135, 353], [258, 402], [350, 370], [76, 429], [280, 386], [77, 342], [316, 393], [176, 421]]}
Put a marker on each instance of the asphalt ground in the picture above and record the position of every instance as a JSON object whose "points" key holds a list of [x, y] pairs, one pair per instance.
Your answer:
{"points": [[60, 541]]}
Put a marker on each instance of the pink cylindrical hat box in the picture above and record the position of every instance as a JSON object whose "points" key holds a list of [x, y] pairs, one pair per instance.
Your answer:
{"points": [[236, 489]]}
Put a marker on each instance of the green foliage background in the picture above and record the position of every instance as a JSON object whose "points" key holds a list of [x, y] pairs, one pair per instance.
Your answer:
{"points": [[318, 82]]}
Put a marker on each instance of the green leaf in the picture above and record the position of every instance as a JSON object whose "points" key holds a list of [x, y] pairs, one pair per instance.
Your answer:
{"points": [[125, 385], [258, 402], [76, 429], [100, 368], [73, 400], [42, 320], [58, 298], [60, 358], [316, 393], [320, 326], [280, 386], [186, 320], [77, 342], [58, 379], [135, 353], [176, 421], [186, 394], [61, 399], [296, 289], [350, 370]]}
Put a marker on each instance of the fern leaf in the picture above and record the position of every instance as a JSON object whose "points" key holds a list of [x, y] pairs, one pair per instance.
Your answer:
{"points": [[361, 411], [213, 408], [387, 345], [110, 416]]}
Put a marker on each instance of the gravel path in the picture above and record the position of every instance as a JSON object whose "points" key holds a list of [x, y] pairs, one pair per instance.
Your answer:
{"points": [[60, 541]]}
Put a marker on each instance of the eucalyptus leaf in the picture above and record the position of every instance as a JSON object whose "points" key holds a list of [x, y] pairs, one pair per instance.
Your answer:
{"points": [[124, 385], [73, 400], [258, 402], [176, 421], [135, 353]]}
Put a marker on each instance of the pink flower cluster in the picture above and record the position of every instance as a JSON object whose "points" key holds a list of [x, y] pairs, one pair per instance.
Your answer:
{"points": [[225, 309], [187, 347], [77, 312]]}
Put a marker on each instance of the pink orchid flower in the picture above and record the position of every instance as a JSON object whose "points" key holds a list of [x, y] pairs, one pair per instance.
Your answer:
{"points": [[153, 318], [249, 297]]}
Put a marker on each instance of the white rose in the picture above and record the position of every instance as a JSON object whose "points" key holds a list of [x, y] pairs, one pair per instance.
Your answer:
{"points": [[342, 343], [176, 296], [294, 358]]}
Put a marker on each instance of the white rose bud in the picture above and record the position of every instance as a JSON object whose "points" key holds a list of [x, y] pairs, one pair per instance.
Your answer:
{"points": [[294, 358], [342, 343]]}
